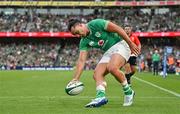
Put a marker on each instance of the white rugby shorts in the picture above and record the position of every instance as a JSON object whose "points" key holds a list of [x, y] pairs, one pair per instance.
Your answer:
{"points": [[121, 48]]}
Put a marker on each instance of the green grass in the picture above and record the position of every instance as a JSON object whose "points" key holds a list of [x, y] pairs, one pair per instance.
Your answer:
{"points": [[42, 92]]}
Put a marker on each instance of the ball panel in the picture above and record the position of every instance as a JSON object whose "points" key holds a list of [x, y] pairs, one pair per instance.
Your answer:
{"points": [[74, 88], [76, 84]]}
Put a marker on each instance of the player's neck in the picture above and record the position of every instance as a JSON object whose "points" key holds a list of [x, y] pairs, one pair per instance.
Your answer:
{"points": [[130, 34], [87, 31]]}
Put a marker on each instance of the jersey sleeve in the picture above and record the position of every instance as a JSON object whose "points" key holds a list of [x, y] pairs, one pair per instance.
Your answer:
{"points": [[137, 42], [83, 45], [99, 23]]}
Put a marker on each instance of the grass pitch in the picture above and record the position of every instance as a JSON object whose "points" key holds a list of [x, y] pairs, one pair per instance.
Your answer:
{"points": [[42, 92]]}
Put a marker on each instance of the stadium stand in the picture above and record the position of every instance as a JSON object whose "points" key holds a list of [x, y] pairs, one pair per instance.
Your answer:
{"points": [[40, 52], [43, 52], [28, 53], [51, 22]]}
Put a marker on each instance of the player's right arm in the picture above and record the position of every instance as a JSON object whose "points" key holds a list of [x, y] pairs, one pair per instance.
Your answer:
{"points": [[137, 42], [111, 27], [80, 65]]}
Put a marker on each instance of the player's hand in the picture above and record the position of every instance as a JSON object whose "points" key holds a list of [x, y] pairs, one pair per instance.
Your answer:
{"points": [[72, 82], [134, 49]]}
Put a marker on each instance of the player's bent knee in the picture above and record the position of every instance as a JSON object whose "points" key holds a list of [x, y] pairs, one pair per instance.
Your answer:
{"points": [[112, 69]]}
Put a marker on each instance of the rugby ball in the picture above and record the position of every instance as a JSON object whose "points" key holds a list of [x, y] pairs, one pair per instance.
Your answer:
{"points": [[74, 88]]}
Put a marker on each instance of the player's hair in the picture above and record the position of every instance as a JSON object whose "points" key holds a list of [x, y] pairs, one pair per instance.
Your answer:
{"points": [[72, 22], [127, 25]]}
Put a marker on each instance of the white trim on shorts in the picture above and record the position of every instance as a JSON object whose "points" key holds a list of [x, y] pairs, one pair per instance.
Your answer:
{"points": [[121, 48]]}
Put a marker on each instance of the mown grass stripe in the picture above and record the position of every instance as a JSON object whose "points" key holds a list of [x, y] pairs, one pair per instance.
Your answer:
{"points": [[156, 86]]}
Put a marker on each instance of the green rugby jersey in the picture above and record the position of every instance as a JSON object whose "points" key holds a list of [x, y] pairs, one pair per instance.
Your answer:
{"points": [[98, 36], [155, 57]]}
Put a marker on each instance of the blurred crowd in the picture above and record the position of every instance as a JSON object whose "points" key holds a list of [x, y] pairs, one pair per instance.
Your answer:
{"points": [[65, 53], [38, 23], [50, 22], [28, 54], [35, 53], [69, 55], [151, 45], [85, 0]]}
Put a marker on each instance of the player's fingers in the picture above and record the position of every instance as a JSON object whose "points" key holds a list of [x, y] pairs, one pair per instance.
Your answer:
{"points": [[136, 51], [72, 81]]}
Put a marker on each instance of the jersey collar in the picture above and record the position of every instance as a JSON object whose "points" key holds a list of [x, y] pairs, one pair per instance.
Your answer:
{"points": [[90, 32]]}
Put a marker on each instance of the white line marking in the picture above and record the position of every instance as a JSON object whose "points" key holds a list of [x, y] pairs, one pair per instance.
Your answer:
{"points": [[74, 97], [156, 86]]}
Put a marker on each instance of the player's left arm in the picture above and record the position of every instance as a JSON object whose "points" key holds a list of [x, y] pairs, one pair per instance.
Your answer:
{"points": [[111, 27]]}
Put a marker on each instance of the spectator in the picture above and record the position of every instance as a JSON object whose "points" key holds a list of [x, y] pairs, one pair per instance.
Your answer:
{"points": [[156, 60]]}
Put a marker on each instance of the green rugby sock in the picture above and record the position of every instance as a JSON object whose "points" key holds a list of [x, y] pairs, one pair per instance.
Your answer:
{"points": [[100, 93], [127, 89]]}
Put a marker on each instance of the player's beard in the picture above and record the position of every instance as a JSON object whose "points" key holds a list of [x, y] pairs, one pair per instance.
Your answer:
{"points": [[83, 33]]}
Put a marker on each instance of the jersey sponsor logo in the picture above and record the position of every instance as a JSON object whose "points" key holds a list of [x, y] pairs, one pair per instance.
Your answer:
{"points": [[101, 42], [98, 34], [91, 43]]}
